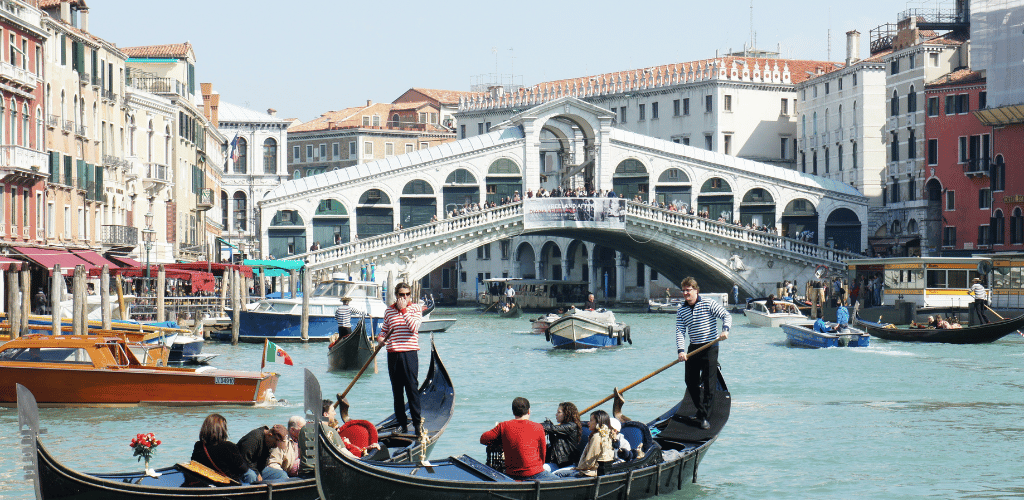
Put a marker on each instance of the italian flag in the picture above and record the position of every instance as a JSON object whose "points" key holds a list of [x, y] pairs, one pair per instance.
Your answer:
{"points": [[274, 354]]}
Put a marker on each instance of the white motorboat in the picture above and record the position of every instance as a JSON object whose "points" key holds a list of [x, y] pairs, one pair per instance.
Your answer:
{"points": [[586, 329], [436, 324], [785, 312]]}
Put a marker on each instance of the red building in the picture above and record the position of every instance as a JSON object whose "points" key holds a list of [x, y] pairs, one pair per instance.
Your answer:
{"points": [[963, 170]]}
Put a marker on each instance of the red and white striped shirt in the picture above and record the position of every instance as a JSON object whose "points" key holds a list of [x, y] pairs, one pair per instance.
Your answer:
{"points": [[404, 328]]}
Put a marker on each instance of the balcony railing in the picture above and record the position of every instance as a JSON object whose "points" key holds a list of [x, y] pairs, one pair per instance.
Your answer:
{"points": [[125, 236], [158, 172], [205, 201], [81, 130], [83, 77], [53, 121], [24, 158], [158, 85], [108, 94], [17, 76], [977, 167]]}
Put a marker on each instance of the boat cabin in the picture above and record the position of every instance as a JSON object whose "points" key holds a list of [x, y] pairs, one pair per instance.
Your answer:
{"points": [[924, 281], [780, 307], [543, 295], [68, 351]]}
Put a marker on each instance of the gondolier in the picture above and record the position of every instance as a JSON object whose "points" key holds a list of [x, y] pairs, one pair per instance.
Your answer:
{"points": [[510, 295], [696, 319], [400, 329], [980, 300], [343, 314]]}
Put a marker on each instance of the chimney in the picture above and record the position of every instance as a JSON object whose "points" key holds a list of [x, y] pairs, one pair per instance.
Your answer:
{"points": [[271, 111], [369, 103], [83, 19], [65, 12], [852, 47]]}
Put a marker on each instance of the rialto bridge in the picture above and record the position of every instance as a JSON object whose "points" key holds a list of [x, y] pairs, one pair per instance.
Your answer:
{"points": [[402, 213]]}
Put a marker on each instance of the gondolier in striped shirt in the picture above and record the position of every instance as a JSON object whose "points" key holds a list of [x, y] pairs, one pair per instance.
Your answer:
{"points": [[697, 318], [980, 300], [400, 329], [344, 316]]}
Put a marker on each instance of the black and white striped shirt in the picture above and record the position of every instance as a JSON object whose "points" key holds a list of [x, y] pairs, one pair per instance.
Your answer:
{"points": [[700, 322], [344, 315]]}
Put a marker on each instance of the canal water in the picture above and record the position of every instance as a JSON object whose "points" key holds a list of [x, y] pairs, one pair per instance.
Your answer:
{"points": [[894, 420]]}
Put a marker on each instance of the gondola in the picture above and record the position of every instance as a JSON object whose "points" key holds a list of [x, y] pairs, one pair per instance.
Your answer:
{"points": [[979, 334], [513, 311], [669, 463], [351, 352], [55, 480]]}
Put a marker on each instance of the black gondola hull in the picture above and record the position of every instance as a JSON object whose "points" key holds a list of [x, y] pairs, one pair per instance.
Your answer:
{"points": [[463, 478], [351, 352], [979, 334]]}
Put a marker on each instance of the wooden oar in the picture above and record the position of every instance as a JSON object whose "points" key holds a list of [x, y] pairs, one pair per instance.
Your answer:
{"points": [[1001, 318], [490, 306], [655, 372], [343, 404]]}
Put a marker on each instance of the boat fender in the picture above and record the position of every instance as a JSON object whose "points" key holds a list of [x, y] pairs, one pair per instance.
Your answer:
{"points": [[547, 336], [611, 331], [625, 333]]}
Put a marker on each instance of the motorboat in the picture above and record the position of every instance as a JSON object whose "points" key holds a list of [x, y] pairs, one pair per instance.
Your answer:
{"points": [[670, 305], [280, 319], [785, 312], [802, 334], [586, 329], [89, 370]]}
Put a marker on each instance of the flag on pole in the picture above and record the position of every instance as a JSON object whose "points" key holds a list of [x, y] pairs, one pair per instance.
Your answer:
{"points": [[274, 354], [234, 148]]}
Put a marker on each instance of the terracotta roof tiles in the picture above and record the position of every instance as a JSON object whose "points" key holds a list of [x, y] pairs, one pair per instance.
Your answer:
{"points": [[445, 96], [175, 50], [962, 76]]}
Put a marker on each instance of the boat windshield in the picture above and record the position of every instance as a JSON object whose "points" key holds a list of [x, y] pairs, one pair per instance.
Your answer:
{"points": [[63, 355], [341, 289]]}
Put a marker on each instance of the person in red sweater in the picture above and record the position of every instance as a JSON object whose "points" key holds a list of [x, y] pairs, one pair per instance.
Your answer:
{"points": [[523, 444], [400, 329]]}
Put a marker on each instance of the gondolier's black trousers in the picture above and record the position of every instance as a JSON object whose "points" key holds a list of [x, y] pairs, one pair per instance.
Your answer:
{"points": [[979, 309], [404, 369], [343, 331], [702, 372]]}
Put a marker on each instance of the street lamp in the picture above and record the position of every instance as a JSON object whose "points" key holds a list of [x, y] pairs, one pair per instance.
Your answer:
{"points": [[147, 240]]}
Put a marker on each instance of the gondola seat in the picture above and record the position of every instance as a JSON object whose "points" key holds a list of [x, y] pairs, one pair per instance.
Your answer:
{"points": [[638, 435], [360, 434]]}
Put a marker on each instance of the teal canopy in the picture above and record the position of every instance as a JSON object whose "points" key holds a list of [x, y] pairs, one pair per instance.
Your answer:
{"points": [[273, 268]]}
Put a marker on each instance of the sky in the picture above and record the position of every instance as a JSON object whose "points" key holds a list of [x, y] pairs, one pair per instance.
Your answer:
{"points": [[306, 58]]}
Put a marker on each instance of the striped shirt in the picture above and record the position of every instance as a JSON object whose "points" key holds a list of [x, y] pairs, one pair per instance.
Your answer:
{"points": [[699, 322], [404, 328], [978, 290], [344, 315]]}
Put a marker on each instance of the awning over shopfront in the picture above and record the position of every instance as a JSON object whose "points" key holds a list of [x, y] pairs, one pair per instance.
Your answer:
{"points": [[217, 268], [49, 257], [96, 259], [125, 261], [200, 281]]}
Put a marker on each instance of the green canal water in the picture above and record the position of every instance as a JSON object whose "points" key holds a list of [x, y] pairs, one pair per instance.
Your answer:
{"points": [[894, 420]]}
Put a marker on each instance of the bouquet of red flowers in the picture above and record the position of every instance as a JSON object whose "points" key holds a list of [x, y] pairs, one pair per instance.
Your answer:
{"points": [[144, 446]]}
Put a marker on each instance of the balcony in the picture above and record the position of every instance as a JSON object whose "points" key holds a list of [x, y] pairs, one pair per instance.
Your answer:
{"points": [[108, 95], [80, 130], [68, 125], [205, 201], [977, 167], [23, 158], [119, 236], [837, 136], [158, 85], [52, 121], [83, 78], [17, 77]]}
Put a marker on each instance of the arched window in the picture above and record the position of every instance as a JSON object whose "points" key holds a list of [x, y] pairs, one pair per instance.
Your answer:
{"points": [[40, 119], [26, 125], [224, 209], [149, 142], [998, 228], [131, 137], [394, 120], [911, 100], [839, 117], [896, 229], [167, 145], [242, 153], [814, 124], [1017, 227], [270, 156], [239, 213], [894, 104], [63, 108], [15, 138], [828, 125]]}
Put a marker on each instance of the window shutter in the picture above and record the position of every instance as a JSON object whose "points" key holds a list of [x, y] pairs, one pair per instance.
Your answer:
{"points": [[54, 166], [99, 183], [63, 50]]}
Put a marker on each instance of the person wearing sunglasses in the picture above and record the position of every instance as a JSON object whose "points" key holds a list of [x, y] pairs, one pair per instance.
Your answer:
{"points": [[400, 331]]}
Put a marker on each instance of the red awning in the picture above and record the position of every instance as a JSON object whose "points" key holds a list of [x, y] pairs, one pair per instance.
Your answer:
{"points": [[95, 259], [5, 263], [201, 282], [48, 257], [125, 261], [217, 268]]}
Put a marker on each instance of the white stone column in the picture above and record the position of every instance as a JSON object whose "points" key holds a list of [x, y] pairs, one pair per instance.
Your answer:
{"points": [[566, 273], [621, 261], [538, 265]]}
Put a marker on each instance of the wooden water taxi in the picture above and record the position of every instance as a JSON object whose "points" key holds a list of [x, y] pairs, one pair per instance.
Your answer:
{"points": [[757, 314], [72, 370]]}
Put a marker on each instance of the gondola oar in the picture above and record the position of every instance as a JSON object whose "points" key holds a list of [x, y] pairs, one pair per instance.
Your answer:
{"points": [[655, 372], [1001, 318], [343, 404]]}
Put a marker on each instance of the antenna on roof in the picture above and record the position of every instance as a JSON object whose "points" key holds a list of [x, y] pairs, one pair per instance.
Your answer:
{"points": [[751, 25]]}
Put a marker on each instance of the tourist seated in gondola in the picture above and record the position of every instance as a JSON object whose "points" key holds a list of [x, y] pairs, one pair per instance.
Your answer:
{"points": [[563, 436], [215, 451], [307, 455], [522, 442], [283, 463], [598, 454], [255, 448], [821, 326], [359, 438], [943, 324], [954, 322], [623, 450]]}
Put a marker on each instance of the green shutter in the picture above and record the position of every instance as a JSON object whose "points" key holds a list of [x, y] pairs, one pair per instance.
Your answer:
{"points": [[81, 179], [54, 167], [191, 79], [99, 182], [63, 50], [67, 171]]}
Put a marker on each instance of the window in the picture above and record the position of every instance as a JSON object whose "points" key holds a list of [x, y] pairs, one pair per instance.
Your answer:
{"points": [[309, 152], [483, 252], [854, 79], [912, 61], [727, 104], [895, 198], [366, 123], [950, 105], [839, 156], [911, 146], [814, 162], [323, 151], [424, 145], [933, 151], [67, 221], [51, 220], [462, 131], [784, 109], [911, 190], [827, 161], [912, 100], [983, 236], [998, 169], [487, 126], [963, 104], [389, 149], [950, 200], [783, 146], [963, 150], [479, 128], [336, 150], [984, 198], [853, 156], [675, 107], [408, 147], [352, 149], [367, 148], [686, 106], [296, 153], [894, 66], [934, 60], [949, 236], [982, 100], [707, 104], [826, 88], [707, 142], [654, 111], [895, 147], [727, 143], [686, 141], [839, 83], [814, 91], [270, 156], [622, 114], [933, 106], [643, 112], [894, 104]]}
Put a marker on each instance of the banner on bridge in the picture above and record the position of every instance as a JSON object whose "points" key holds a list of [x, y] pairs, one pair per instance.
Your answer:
{"points": [[604, 213]]}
